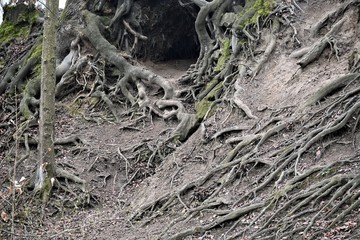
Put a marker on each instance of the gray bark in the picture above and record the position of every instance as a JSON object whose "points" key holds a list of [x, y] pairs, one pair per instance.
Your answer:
{"points": [[47, 100]]}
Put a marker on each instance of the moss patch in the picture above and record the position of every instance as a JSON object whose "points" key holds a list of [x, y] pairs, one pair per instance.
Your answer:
{"points": [[74, 109], [225, 53], [9, 31], [36, 52], [31, 89], [17, 22], [203, 106], [2, 62], [252, 11]]}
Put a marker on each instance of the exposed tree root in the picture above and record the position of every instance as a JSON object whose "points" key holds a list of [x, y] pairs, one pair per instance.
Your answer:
{"points": [[110, 53], [332, 15], [239, 103], [318, 47], [285, 194], [284, 171], [331, 87], [139, 76], [67, 79], [269, 49], [65, 174], [234, 214], [30, 100]]}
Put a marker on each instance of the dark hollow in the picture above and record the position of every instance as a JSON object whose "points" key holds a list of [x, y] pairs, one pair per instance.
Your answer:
{"points": [[170, 29]]}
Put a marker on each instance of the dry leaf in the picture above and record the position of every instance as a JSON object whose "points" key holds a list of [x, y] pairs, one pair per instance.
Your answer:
{"points": [[17, 184], [4, 216], [22, 179], [44, 165]]}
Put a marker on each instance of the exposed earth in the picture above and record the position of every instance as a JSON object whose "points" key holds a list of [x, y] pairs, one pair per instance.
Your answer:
{"points": [[141, 186]]}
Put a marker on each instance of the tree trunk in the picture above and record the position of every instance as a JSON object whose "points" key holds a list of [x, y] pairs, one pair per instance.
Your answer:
{"points": [[47, 100]]}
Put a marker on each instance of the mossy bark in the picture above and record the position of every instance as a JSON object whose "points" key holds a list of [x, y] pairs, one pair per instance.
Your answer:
{"points": [[252, 11], [203, 106], [17, 22]]}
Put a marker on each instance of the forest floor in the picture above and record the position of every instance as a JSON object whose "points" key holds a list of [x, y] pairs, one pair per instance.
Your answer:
{"points": [[120, 184]]}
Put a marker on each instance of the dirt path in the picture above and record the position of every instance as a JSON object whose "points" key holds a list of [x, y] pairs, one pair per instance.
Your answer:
{"points": [[100, 164], [172, 69]]}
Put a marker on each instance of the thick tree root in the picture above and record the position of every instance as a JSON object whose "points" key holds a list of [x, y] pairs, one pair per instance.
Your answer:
{"points": [[318, 47], [110, 53], [282, 171], [331, 87], [65, 85], [236, 213], [240, 104], [332, 15], [29, 100], [141, 77]]}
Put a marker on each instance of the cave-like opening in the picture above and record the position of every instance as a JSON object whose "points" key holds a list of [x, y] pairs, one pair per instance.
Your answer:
{"points": [[170, 29]]}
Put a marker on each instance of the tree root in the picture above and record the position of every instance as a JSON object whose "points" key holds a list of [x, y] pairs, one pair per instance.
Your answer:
{"points": [[109, 52], [318, 47], [75, 139], [284, 193], [269, 49], [331, 87], [332, 15], [228, 130], [65, 174], [283, 170], [108, 102], [335, 126], [237, 97], [29, 100], [188, 121], [69, 60], [67, 79], [311, 196], [233, 215]]}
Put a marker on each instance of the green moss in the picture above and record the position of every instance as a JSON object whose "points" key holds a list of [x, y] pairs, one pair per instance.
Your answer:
{"points": [[32, 87], [225, 53], [203, 106], [36, 52], [26, 113], [78, 107], [46, 190], [62, 16], [74, 109], [9, 31], [262, 7], [17, 23], [252, 11], [94, 101]]}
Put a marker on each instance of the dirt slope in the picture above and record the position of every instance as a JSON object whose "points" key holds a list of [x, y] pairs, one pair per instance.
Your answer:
{"points": [[282, 84], [124, 186]]}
